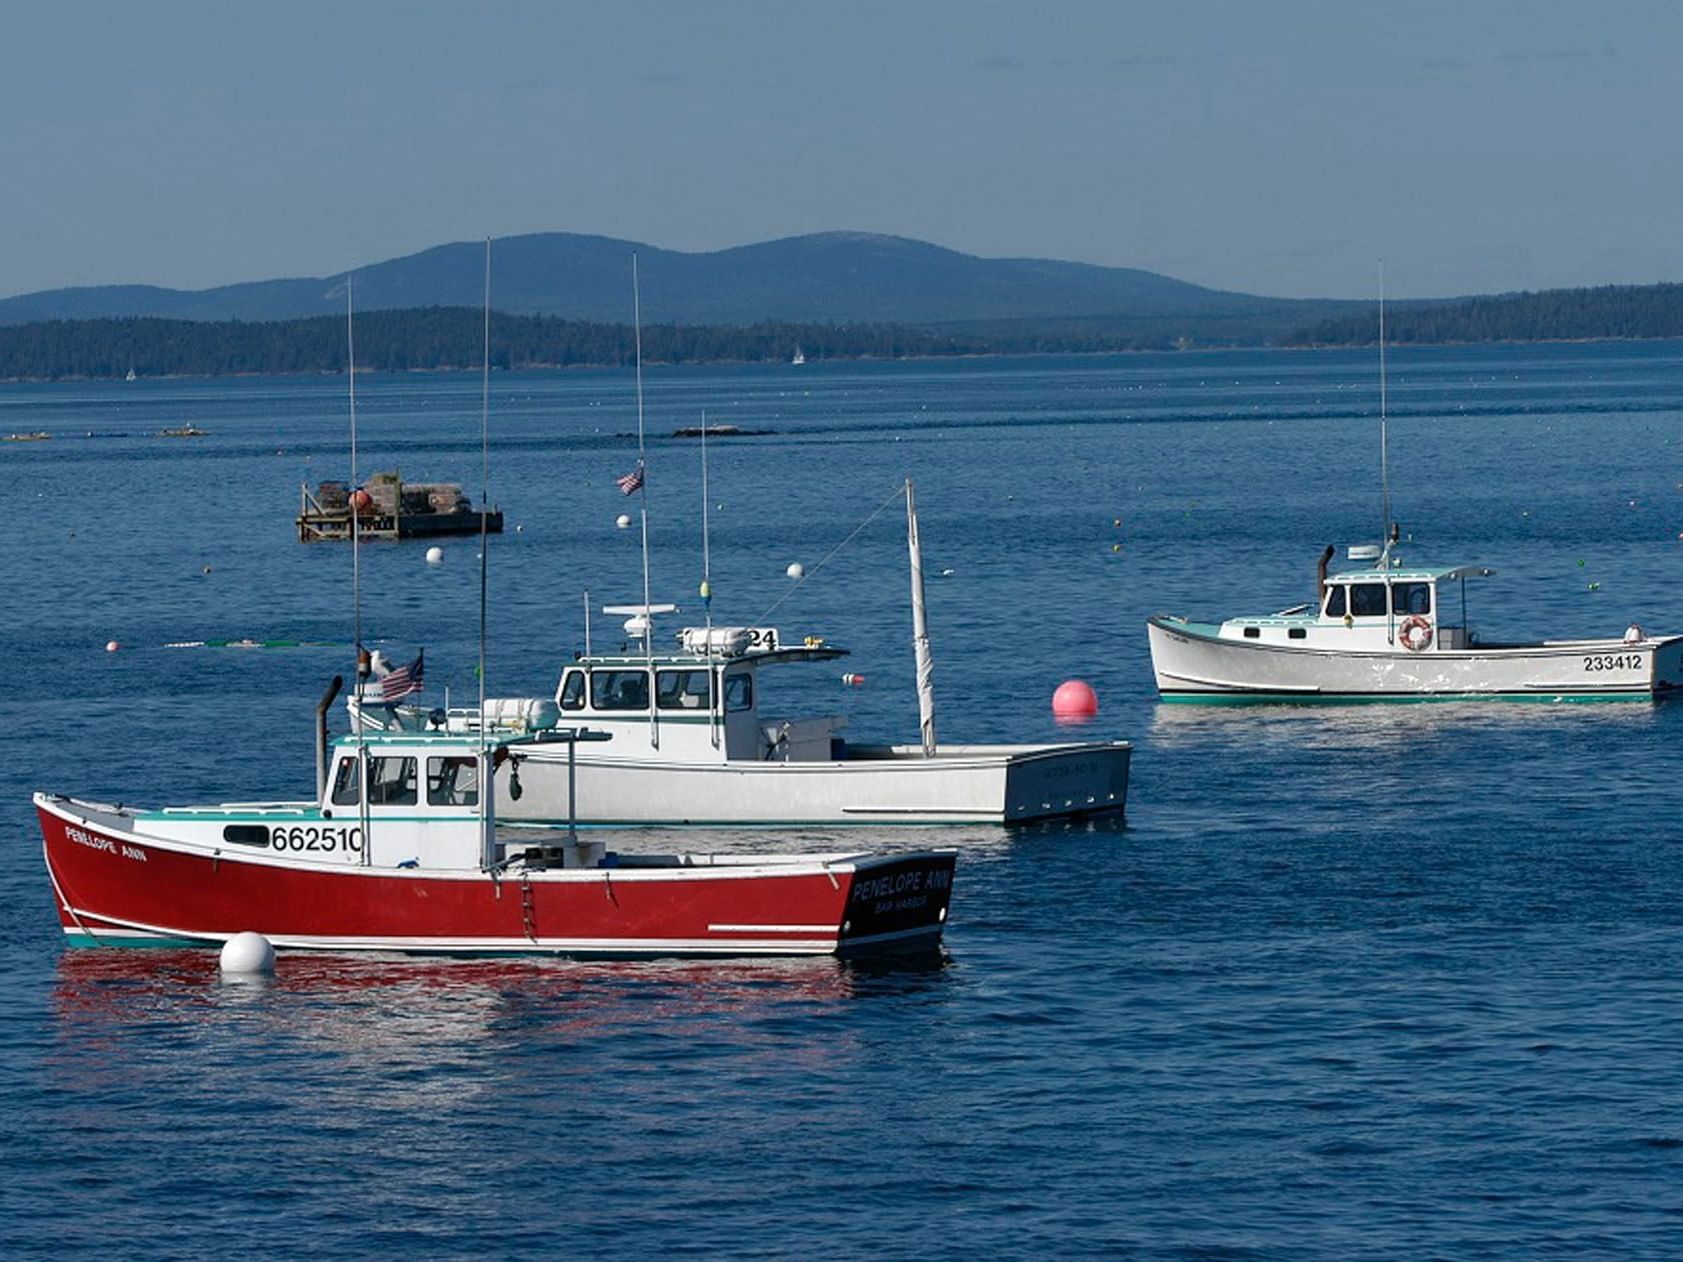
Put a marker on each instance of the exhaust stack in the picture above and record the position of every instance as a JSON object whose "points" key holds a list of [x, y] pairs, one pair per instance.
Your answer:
{"points": [[322, 707]]}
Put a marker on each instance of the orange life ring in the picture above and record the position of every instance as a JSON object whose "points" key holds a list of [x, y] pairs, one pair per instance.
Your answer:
{"points": [[1416, 633]]}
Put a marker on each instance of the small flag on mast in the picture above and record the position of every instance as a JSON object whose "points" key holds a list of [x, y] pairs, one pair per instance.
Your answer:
{"points": [[399, 683], [632, 482]]}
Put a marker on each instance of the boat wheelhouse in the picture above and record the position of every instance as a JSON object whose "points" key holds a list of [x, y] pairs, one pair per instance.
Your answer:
{"points": [[1390, 632], [417, 864]]}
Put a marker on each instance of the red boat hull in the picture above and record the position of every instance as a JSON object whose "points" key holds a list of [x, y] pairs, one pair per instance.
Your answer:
{"points": [[116, 887]]}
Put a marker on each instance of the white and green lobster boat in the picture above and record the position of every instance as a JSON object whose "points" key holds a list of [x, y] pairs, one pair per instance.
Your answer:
{"points": [[1386, 632], [691, 744]]}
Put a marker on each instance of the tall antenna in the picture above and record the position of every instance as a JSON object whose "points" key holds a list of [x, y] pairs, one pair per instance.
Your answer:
{"points": [[643, 498], [1384, 446], [706, 553], [481, 771], [356, 551], [363, 670], [707, 593], [484, 476]]}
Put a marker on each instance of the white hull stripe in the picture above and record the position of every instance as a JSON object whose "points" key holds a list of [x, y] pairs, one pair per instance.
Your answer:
{"points": [[700, 946], [771, 928], [544, 946]]}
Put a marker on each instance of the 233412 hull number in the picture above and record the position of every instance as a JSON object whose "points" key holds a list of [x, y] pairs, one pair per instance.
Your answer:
{"points": [[1616, 661]]}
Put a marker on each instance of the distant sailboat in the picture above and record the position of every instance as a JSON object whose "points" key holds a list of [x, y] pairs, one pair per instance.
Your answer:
{"points": [[799, 357], [131, 376]]}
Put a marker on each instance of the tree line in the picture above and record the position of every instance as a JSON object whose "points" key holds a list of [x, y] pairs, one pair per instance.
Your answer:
{"points": [[1606, 311], [424, 339], [441, 338]]}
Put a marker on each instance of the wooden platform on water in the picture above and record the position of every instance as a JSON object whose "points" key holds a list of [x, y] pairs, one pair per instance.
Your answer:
{"points": [[435, 509]]}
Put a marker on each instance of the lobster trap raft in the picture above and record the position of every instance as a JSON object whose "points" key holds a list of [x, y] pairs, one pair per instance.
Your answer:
{"points": [[399, 510]]}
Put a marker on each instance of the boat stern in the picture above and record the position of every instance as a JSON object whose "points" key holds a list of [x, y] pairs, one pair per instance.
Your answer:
{"points": [[897, 903], [1067, 782], [1667, 667]]}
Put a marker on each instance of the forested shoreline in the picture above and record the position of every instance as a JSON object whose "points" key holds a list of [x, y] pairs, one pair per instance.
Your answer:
{"points": [[1606, 312], [445, 338]]}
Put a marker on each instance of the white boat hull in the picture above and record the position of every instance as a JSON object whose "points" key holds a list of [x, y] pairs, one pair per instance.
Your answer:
{"points": [[1194, 664], [999, 784]]}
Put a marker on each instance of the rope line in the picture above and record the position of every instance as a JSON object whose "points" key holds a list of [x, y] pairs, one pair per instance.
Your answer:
{"points": [[898, 493]]}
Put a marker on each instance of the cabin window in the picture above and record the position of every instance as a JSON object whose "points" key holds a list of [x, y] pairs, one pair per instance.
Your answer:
{"points": [[1252, 633], [452, 782], [246, 834], [1335, 601], [739, 692], [619, 689], [391, 782], [345, 783], [1367, 600], [1409, 598], [681, 689], [1296, 633], [572, 691]]}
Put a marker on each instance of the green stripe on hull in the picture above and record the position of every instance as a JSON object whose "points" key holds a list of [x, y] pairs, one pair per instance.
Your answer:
{"points": [[1381, 698], [76, 938], [561, 825]]}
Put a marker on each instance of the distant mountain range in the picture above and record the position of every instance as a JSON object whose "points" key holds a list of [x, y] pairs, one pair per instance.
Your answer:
{"points": [[831, 277]]}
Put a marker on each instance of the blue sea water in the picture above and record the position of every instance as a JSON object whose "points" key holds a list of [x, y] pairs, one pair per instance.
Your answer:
{"points": [[1373, 982]]}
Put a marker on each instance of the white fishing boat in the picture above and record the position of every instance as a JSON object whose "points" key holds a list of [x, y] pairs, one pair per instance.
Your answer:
{"points": [[1390, 632], [1387, 632], [691, 744]]}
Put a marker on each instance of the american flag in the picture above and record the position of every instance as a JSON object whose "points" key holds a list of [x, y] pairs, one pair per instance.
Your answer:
{"points": [[399, 683], [632, 482]]}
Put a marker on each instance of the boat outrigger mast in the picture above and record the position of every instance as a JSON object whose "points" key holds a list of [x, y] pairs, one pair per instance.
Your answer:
{"points": [[920, 631], [1387, 532], [643, 499], [364, 663], [483, 769]]}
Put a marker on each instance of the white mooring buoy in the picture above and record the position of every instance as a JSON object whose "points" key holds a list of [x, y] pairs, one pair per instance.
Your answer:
{"points": [[435, 555], [795, 570], [248, 953]]}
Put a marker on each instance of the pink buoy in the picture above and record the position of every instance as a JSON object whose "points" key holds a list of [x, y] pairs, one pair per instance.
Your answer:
{"points": [[1074, 699], [111, 646], [361, 500]]}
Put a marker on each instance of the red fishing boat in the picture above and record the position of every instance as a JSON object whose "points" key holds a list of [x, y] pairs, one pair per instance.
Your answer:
{"points": [[417, 864], [400, 851]]}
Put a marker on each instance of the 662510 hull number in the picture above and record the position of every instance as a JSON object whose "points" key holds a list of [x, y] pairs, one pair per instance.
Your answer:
{"points": [[318, 839], [1614, 661]]}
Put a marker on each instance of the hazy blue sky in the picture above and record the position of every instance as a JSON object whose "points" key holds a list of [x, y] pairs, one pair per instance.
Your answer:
{"points": [[1278, 148]]}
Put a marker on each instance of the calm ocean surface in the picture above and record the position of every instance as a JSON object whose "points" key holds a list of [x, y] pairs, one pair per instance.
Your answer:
{"points": [[1373, 982]]}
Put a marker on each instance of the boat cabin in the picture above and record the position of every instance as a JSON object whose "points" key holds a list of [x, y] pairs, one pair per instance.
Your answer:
{"points": [[421, 807], [1422, 609], [700, 703]]}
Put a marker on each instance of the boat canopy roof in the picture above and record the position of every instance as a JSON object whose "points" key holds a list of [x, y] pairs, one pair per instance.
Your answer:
{"points": [[756, 657], [466, 742], [1412, 574]]}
